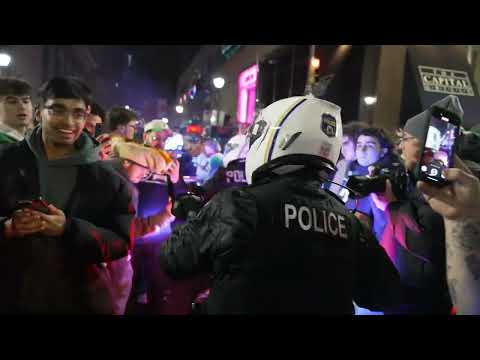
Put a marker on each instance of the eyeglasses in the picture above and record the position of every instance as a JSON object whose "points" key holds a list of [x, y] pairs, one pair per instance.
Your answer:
{"points": [[60, 111], [14, 100]]}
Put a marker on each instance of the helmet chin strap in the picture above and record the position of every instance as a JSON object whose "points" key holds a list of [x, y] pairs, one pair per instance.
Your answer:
{"points": [[321, 173]]}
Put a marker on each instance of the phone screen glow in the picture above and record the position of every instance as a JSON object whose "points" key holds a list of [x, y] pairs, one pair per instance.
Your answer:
{"points": [[439, 148]]}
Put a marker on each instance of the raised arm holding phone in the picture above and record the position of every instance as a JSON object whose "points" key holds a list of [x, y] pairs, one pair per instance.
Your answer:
{"points": [[459, 205]]}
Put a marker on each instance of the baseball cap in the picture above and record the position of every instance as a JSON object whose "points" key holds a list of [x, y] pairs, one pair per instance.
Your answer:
{"points": [[156, 125]]}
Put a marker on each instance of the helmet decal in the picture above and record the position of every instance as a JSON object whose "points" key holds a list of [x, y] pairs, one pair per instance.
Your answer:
{"points": [[279, 126], [256, 131], [329, 125], [288, 140]]}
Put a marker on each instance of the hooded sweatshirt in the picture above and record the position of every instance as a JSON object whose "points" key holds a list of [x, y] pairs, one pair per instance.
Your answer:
{"points": [[9, 135], [58, 177]]}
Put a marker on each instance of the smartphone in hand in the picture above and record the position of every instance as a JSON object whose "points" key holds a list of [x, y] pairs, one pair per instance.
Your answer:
{"points": [[98, 130], [438, 150], [39, 205]]}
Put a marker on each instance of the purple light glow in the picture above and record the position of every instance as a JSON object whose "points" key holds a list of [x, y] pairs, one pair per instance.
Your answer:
{"points": [[247, 93]]}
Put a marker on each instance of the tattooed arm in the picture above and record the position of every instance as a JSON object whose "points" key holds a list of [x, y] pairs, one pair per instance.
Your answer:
{"points": [[459, 204], [463, 264]]}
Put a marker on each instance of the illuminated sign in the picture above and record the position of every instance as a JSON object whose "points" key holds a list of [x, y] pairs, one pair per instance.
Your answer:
{"points": [[445, 81], [247, 95], [194, 129]]}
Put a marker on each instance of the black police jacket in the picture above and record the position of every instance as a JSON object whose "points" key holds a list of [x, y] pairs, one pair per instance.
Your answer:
{"points": [[279, 247], [226, 178]]}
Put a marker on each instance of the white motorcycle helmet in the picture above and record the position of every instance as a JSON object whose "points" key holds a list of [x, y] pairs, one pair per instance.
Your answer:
{"points": [[293, 133], [236, 148]]}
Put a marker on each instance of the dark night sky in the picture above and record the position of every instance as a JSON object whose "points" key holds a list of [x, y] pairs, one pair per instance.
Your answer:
{"points": [[153, 73], [161, 64]]}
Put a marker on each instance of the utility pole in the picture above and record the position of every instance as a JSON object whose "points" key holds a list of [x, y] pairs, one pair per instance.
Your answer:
{"points": [[292, 72], [311, 72]]}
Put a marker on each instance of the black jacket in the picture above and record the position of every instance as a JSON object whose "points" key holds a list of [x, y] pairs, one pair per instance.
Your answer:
{"points": [[99, 214], [264, 261], [225, 178], [414, 238]]}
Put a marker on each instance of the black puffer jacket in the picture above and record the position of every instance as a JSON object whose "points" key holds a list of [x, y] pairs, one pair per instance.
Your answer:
{"points": [[58, 271], [265, 260], [414, 238]]}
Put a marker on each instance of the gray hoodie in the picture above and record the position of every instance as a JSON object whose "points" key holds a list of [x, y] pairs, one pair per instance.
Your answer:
{"points": [[58, 177]]}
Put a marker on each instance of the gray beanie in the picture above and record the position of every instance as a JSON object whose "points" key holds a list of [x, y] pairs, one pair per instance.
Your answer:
{"points": [[416, 125]]}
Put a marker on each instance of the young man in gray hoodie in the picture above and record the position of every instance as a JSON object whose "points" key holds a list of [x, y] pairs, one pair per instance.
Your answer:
{"points": [[51, 259]]}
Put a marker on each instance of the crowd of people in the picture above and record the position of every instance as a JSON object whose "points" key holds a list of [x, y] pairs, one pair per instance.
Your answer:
{"points": [[94, 171], [99, 216]]}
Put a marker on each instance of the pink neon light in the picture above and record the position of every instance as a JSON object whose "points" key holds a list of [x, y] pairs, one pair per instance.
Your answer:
{"points": [[247, 90], [243, 104]]}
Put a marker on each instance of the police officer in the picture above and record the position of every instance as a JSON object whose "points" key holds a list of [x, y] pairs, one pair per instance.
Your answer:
{"points": [[283, 245], [232, 174]]}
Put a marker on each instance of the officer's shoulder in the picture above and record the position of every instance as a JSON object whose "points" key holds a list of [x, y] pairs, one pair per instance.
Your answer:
{"points": [[228, 201], [335, 196], [233, 194]]}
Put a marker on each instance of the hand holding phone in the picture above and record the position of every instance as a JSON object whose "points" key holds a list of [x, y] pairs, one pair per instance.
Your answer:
{"points": [[39, 205], [438, 149], [98, 130], [459, 200], [24, 221], [37, 216], [105, 141]]}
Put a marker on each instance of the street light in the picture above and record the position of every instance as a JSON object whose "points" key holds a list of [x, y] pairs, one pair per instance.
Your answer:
{"points": [[179, 109], [5, 59], [219, 82], [370, 100], [315, 62]]}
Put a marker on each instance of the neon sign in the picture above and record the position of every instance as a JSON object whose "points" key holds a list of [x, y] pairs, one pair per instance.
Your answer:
{"points": [[247, 95]]}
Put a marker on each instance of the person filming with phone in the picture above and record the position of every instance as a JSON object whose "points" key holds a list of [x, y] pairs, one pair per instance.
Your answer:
{"points": [[458, 204], [414, 236]]}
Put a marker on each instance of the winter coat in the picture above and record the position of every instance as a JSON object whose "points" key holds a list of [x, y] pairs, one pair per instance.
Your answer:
{"points": [[283, 246], [414, 239], [57, 275]]}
